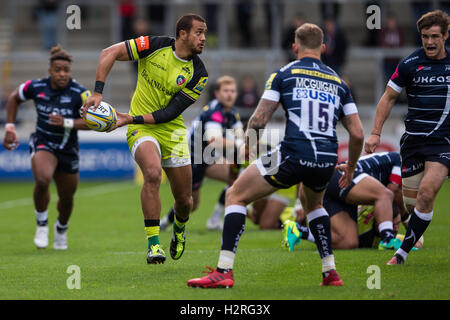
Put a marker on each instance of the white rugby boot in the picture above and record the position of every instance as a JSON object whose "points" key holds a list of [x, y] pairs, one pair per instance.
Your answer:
{"points": [[41, 237]]}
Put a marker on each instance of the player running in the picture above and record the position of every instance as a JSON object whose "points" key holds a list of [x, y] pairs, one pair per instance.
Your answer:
{"points": [[377, 182], [217, 129], [425, 145], [171, 77], [54, 145], [314, 99]]}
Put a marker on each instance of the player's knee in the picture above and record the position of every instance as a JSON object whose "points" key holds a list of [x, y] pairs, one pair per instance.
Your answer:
{"points": [[184, 201], [42, 182], [352, 243], [267, 224], [230, 196], [388, 195], [426, 196], [343, 242], [152, 176]]}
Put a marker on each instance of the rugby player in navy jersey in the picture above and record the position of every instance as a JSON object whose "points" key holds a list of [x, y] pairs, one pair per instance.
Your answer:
{"points": [[218, 128], [377, 182], [425, 145], [314, 99], [54, 145]]}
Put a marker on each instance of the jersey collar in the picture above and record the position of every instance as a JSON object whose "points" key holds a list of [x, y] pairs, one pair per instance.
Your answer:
{"points": [[175, 55], [47, 80]]}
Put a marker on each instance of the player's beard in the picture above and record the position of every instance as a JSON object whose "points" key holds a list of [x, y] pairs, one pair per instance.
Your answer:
{"points": [[196, 48]]}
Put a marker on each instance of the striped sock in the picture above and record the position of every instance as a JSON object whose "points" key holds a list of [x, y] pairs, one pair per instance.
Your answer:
{"points": [[234, 226], [320, 227], [41, 218], [179, 224], [152, 232], [416, 227], [61, 228]]}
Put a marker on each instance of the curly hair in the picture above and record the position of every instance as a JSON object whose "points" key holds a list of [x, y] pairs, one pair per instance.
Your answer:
{"points": [[58, 53]]}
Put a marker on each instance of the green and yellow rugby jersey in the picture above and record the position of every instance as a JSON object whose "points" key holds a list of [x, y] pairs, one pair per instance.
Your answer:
{"points": [[161, 74]]}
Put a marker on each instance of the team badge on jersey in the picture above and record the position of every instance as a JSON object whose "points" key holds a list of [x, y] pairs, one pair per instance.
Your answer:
{"points": [[201, 84], [269, 81], [180, 80], [85, 95]]}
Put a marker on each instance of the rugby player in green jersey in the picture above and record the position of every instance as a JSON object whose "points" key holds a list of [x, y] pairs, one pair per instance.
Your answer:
{"points": [[171, 77]]}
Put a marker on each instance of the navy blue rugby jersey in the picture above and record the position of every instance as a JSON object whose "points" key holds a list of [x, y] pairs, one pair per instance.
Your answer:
{"points": [[427, 84], [383, 166], [314, 98], [65, 102], [213, 116]]}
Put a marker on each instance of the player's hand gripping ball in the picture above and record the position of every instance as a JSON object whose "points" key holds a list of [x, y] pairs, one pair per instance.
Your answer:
{"points": [[101, 119]]}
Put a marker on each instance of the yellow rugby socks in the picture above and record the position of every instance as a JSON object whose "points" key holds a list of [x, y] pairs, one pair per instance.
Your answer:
{"points": [[152, 231]]}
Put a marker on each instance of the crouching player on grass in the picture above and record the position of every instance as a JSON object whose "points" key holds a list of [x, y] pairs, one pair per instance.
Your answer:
{"points": [[376, 182], [54, 145]]}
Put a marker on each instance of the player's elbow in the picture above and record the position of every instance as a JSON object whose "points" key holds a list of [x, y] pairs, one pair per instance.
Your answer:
{"points": [[111, 52], [357, 135], [14, 96]]}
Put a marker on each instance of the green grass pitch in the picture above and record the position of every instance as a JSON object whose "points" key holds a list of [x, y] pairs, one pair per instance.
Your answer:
{"points": [[107, 242]]}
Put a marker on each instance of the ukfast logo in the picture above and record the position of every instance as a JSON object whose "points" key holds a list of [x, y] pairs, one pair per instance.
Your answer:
{"points": [[432, 79]]}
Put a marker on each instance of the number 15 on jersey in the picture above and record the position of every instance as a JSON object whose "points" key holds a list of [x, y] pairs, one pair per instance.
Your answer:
{"points": [[317, 110]]}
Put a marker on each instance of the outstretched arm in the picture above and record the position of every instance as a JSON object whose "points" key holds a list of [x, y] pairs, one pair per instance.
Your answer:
{"points": [[108, 56], [60, 121], [176, 106], [384, 108]]}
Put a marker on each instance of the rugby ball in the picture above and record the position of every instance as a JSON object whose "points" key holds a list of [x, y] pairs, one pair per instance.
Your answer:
{"points": [[101, 119]]}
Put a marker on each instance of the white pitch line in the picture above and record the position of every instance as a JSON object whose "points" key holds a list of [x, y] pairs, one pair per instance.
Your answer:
{"points": [[88, 192]]}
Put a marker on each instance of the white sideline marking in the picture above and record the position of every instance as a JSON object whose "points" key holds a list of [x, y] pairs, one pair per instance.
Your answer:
{"points": [[88, 192]]}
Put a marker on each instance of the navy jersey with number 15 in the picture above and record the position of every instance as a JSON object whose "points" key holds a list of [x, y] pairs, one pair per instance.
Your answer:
{"points": [[314, 98]]}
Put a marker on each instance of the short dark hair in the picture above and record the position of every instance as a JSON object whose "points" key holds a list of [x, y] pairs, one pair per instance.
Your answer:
{"points": [[434, 18], [309, 36], [58, 53], [185, 23]]}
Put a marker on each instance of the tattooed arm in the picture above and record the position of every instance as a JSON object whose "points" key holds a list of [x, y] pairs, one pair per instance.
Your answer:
{"points": [[258, 121], [261, 116]]}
